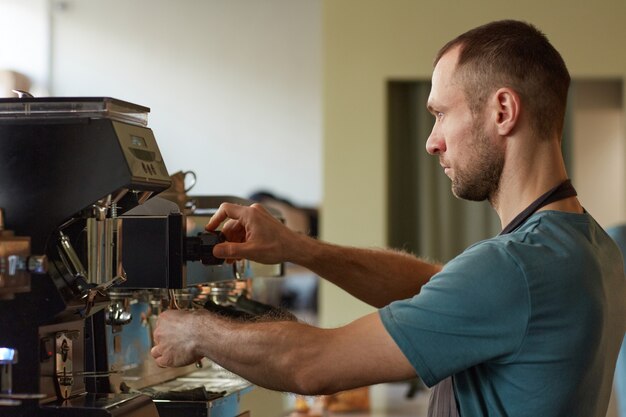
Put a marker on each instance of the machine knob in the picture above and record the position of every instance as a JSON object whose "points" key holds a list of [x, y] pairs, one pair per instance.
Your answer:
{"points": [[200, 248]]}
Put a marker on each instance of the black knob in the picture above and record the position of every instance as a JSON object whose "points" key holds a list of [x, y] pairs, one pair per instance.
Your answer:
{"points": [[200, 248]]}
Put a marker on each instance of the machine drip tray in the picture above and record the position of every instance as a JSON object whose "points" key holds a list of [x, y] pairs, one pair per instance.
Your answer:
{"points": [[223, 391], [105, 405], [226, 406]]}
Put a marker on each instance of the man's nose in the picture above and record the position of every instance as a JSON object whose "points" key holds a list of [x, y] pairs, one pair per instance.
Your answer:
{"points": [[435, 143]]}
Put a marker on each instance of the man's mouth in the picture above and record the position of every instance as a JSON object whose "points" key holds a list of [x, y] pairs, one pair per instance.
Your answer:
{"points": [[445, 167]]}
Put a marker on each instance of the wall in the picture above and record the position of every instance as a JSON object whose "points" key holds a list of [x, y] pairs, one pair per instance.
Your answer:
{"points": [[598, 148], [24, 41], [234, 86], [367, 42]]}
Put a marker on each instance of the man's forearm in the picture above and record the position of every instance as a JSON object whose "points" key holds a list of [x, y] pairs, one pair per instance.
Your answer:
{"points": [[267, 354], [295, 357], [375, 276]]}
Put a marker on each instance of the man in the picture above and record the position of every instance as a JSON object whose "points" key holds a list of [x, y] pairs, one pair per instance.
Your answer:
{"points": [[526, 323]]}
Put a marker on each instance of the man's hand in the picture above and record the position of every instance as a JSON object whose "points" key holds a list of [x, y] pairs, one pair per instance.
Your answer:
{"points": [[253, 233], [175, 338]]}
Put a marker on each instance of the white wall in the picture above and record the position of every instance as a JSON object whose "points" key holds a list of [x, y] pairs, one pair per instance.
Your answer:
{"points": [[24, 40], [234, 86]]}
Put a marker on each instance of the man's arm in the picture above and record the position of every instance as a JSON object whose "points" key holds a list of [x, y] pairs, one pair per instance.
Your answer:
{"points": [[375, 276], [284, 355]]}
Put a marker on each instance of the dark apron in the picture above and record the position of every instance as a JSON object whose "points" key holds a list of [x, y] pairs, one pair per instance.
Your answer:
{"points": [[442, 401]]}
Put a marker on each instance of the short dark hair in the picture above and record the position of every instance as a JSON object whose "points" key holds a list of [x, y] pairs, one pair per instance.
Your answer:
{"points": [[514, 54]]}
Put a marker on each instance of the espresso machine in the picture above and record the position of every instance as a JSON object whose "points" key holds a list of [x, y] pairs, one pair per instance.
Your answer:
{"points": [[89, 255]]}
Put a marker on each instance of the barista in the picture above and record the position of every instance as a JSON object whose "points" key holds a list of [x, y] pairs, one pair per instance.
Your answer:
{"points": [[526, 323]]}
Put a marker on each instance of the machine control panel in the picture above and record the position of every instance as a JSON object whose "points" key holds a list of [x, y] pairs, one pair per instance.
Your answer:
{"points": [[141, 152]]}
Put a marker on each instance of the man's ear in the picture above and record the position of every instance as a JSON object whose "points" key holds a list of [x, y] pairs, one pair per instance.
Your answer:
{"points": [[507, 110]]}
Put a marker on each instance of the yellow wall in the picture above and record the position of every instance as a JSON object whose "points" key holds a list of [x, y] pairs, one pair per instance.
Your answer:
{"points": [[367, 42]]}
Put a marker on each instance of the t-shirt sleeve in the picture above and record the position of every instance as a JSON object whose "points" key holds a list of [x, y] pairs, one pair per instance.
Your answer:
{"points": [[475, 310]]}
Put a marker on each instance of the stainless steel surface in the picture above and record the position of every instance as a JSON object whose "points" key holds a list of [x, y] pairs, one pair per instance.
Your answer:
{"points": [[104, 240], [212, 377], [64, 364], [116, 315], [70, 258], [104, 404], [61, 370]]}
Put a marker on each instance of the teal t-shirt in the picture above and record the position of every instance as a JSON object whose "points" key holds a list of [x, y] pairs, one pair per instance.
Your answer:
{"points": [[528, 323]]}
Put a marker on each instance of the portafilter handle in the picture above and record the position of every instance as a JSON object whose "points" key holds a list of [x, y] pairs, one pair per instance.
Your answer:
{"points": [[200, 248]]}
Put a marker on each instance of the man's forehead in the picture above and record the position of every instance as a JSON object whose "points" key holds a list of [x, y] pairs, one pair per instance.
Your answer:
{"points": [[442, 79], [446, 66]]}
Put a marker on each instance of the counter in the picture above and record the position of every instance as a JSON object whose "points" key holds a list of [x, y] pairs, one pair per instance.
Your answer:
{"points": [[386, 400]]}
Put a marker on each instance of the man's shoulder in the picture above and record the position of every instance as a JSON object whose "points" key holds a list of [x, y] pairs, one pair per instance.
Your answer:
{"points": [[545, 232], [546, 242]]}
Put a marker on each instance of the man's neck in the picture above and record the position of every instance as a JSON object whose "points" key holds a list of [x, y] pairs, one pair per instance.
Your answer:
{"points": [[528, 176]]}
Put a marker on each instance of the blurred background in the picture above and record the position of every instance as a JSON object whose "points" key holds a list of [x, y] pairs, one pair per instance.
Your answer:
{"points": [[234, 87]]}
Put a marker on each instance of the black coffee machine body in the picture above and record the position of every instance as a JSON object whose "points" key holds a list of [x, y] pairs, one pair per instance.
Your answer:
{"points": [[69, 169]]}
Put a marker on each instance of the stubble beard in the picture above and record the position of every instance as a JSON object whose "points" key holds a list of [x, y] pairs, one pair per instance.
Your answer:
{"points": [[480, 179]]}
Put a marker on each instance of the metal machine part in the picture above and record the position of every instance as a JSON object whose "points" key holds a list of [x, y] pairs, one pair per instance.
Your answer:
{"points": [[64, 373], [116, 315], [104, 245]]}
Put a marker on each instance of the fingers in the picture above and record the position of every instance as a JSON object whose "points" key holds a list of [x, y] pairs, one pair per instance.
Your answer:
{"points": [[225, 211], [230, 250], [158, 357], [234, 231], [155, 352], [166, 345], [217, 218], [251, 233]]}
